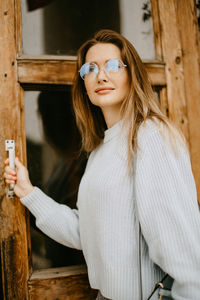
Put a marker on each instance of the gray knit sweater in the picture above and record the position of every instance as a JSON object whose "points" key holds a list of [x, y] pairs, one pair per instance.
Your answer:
{"points": [[104, 225]]}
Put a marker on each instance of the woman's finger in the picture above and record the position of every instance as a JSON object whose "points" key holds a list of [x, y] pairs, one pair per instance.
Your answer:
{"points": [[9, 176], [9, 181], [6, 161], [9, 170]]}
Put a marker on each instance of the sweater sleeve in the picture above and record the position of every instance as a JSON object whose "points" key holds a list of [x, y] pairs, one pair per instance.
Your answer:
{"points": [[168, 212], [58, 221]]}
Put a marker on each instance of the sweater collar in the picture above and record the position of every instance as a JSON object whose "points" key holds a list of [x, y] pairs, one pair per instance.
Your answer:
{"points": [[111, 132]]}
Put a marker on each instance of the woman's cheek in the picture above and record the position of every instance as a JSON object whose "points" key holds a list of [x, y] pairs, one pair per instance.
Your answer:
{"points": [[90, 95]]}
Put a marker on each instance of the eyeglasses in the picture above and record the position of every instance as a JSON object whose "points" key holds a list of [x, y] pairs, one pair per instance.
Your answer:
{"points": [[112, 67]]}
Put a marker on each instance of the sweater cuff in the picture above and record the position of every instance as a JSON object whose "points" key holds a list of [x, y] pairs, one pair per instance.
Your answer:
{"points": [[38, 202]]}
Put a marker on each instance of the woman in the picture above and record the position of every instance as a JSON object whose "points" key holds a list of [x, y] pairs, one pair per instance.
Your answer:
{"points": [[138, 169]]}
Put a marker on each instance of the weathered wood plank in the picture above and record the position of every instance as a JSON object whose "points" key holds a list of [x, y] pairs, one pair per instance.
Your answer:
{"points": [[156, 72], [67, 283], [61, 70], [156, 30], [190, 47], [173, 57], [18, 27], [13, 239], [180, 44], [164, 101], [44, 71]]}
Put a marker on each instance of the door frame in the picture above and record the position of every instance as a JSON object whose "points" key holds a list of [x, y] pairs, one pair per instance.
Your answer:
{"points": [[176, 74]]}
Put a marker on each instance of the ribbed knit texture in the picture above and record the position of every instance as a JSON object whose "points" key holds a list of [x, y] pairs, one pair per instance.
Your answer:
{"points": [[104, 226]]}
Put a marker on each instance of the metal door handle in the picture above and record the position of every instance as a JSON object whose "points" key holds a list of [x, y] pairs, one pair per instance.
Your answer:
{"points": [[10, 147]]}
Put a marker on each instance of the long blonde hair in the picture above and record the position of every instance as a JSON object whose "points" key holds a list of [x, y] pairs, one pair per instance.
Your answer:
{"points": [[140, 105]]}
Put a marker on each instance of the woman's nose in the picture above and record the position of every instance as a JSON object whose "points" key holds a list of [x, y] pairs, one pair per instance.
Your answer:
{"points": [[102, 76]]}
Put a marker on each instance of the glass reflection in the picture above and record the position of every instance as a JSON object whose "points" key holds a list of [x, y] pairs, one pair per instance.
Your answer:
{"points": [[60, 26], [54, 164]]}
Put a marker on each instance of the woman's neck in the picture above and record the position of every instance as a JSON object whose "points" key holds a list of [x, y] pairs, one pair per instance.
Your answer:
{"points": [[111, 115]]}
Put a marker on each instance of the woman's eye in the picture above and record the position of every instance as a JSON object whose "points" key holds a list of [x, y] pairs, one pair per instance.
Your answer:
{"points": [[113, 65], [92, 68]]}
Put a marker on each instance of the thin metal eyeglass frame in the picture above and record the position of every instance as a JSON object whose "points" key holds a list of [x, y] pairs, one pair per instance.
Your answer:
{"points": [[107, 73]]}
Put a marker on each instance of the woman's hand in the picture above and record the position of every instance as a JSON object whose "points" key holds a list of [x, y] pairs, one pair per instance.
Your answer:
{"points": [[20, 177]]}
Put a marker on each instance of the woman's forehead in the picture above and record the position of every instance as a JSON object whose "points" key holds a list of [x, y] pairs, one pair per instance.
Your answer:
{"points": [[102, 52]]}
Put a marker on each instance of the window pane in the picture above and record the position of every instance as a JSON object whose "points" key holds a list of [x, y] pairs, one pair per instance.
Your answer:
{"points": [[62, 26], [54, 165]]}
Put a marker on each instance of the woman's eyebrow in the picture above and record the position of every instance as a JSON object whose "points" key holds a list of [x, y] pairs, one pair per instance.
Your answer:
{"points": [[90, 61]]}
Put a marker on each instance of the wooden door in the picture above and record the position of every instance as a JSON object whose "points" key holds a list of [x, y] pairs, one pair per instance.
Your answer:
{"points": [[175, 74]]}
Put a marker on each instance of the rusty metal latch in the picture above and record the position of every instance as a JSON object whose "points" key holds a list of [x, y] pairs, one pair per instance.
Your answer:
{"points": [[10, 147]]}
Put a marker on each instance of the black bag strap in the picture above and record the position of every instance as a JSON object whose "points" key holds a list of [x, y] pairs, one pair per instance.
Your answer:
{"points": [[158, 285]]}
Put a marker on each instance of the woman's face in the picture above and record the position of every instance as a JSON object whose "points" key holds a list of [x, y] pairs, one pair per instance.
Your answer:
{"points": [[104, 88]]}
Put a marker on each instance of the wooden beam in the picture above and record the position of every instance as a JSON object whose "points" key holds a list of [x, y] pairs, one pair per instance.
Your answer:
{"points": [[156, 72], [46, 70], [180, 45], [61, 283], [61, 70], [18, 27], [173, 57], [189, 35], [13, 233], [156, 30], [164, 101]]}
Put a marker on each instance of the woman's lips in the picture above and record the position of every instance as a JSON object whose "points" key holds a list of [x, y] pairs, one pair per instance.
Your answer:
{"points": [[103, 90]]}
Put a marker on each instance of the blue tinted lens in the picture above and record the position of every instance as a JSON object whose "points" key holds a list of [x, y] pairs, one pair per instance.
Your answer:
{"points": [[113, 65], [88, 68]]}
